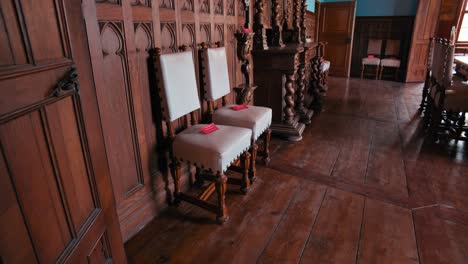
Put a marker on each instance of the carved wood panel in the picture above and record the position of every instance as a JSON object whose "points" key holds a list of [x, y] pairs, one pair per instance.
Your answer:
{"points": [[169, 4], [117, 112], [54, 178], [168, 37], [204, 6]]}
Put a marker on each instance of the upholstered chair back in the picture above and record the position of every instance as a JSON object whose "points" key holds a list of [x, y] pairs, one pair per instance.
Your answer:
{"points": [[392, 47], [448, 69], [179, 85], [215, 68], [438, 62], [374, 47], [430, 54]]}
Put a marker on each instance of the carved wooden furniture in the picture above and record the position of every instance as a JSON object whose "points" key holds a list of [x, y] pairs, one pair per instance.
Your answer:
{"points": [[216, 85], [372, 59], [391, 60], [448, 95], [244, 92], [212, 154], [283, 66]]}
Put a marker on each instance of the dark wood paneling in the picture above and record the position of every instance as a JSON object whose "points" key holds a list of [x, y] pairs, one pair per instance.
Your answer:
{"points": [[55, 186], [367, 28]]}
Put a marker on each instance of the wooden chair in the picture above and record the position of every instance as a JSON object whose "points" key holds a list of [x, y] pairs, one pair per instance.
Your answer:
{"points": [[212, 154], [215, 83], [391, 60], [448, 95], [374, 48]]}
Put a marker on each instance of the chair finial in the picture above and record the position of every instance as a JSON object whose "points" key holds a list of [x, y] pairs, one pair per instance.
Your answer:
{"points": [[204, 45], [183, 48], [218, 44]]}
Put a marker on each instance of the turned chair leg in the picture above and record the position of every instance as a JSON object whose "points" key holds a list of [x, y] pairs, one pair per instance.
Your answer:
{"points": [[245, 166], [176, 173], [221, 187], [253, 158], [378, 74], [198, 179], [363, 67], [266, 145]]}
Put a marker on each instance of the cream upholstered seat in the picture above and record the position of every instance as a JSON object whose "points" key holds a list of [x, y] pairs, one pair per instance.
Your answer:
{"points": [[221, 147], [256, 118], [392, 63], [371, 61], [214, 151]]}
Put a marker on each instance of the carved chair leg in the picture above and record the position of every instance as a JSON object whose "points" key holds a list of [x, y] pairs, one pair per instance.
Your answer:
{"points": [[379, 73], [245, 165], [266, 145], [363, 68], [221, 186], [176, 173], [198, 180], [253, 159]]}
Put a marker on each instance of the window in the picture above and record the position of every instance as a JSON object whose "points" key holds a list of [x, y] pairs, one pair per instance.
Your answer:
{"points": [[463, 28]]}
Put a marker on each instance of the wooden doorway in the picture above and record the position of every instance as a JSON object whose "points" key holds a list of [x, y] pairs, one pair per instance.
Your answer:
{"points": [[336, 28], [56, 201]]}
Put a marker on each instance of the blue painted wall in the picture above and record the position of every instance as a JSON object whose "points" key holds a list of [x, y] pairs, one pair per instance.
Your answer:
{"points": [[377, 7], [310, 5]]}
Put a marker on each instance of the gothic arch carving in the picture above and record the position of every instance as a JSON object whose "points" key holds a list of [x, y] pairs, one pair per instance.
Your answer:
{"points": [[188, 35], [219, 33], [205, 33], [169, 4], [187, 5], [205, 6], [168, 37]]}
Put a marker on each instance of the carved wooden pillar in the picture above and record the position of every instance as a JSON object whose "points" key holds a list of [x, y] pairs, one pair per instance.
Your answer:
{"points": [[288, 108], [297, 21], [300, 108], [277, 37], [260, 40], [303, 26]]}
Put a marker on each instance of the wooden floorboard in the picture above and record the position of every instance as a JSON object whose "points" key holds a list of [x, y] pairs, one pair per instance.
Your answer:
{"points": [[363, 186], [387, 235], [289, 239]]}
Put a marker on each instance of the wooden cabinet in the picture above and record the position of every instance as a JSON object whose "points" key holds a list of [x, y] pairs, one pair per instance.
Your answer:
{"points": [[56, 203], [280, 73]]}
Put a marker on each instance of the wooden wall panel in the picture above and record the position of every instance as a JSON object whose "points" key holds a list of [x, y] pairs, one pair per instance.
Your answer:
{"points": [[55, 189], [424, 28], [127, 30]]}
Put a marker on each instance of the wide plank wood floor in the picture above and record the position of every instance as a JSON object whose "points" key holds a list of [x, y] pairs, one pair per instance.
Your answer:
{"points": [[363, 186]]}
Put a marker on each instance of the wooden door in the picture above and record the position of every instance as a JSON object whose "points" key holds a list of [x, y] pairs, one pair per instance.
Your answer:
{"points": [[424, 28], [56, 203], [336, 28]]}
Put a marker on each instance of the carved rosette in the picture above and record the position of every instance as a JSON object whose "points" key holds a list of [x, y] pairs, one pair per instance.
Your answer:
{"points": [[277, 38], [288, 108], [260, 41]]}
